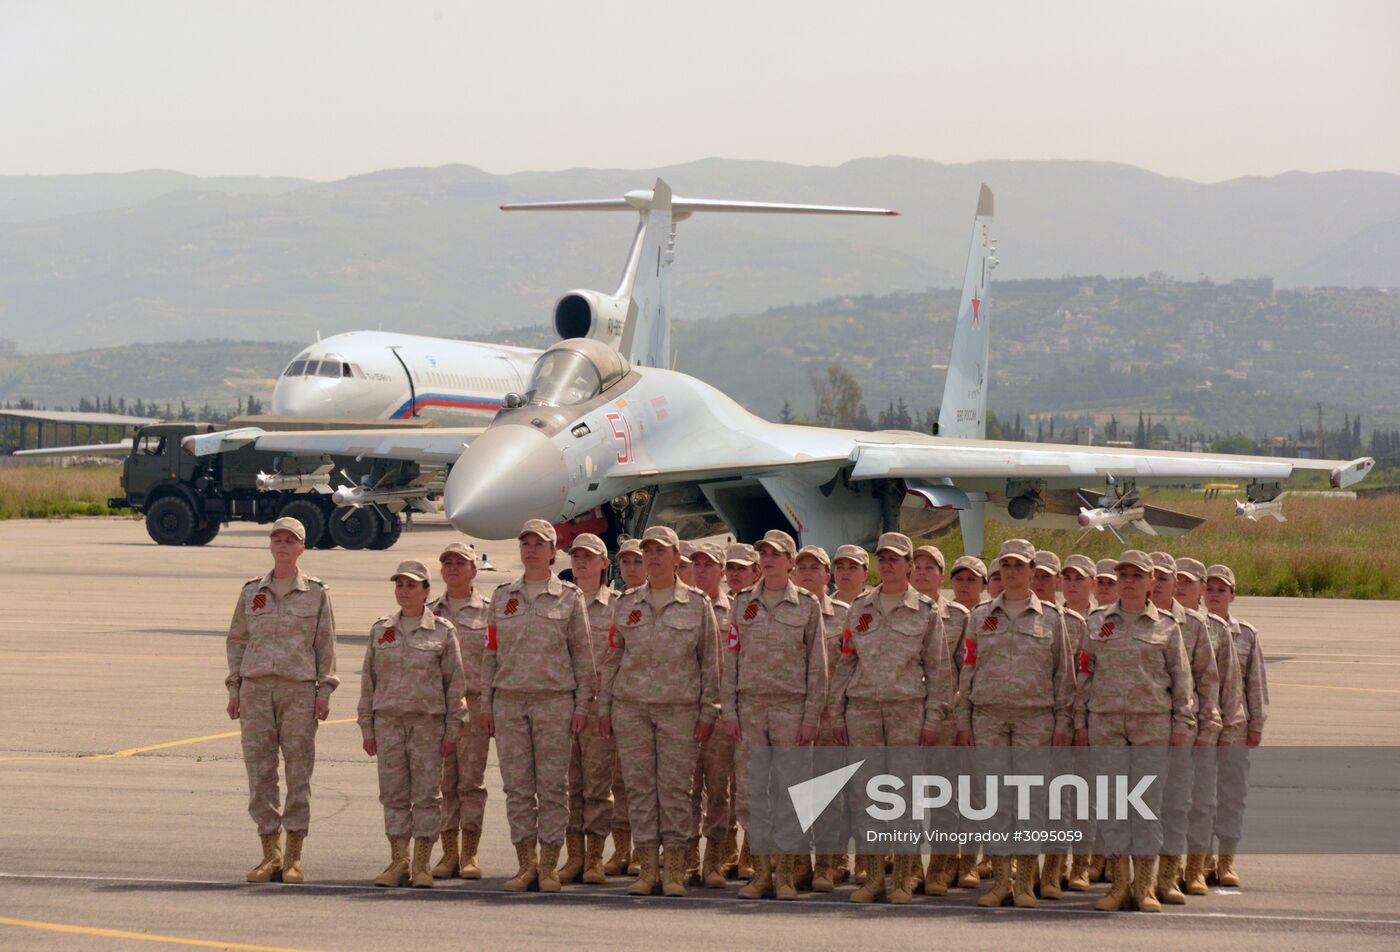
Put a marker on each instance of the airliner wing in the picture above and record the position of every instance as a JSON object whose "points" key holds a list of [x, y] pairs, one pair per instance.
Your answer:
{"points": [[89, 449], [427, 445]]}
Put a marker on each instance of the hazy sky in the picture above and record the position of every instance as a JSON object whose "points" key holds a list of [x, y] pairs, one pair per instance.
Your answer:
{"points": [[1204, 90]]}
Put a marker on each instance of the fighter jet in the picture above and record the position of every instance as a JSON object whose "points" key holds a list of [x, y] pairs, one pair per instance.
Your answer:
{"points": [[595, 438]]}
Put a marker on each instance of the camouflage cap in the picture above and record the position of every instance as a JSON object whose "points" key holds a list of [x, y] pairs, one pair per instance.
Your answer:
{"points": [[852, 553], [972, 564], [778, 539], [288, 524], [816, 552], [629, 547], [933, 552], [1017, 549], [709, 550], [459, 549], [1047, 561], [1222, 572], [411, 568], [740, 553], [1136, 558], [663, 534], [896, 542], [588, 542], [540, 528], [1106, 568], [1191, 568], [1079, 563], [1163, 562], [687, 550]]}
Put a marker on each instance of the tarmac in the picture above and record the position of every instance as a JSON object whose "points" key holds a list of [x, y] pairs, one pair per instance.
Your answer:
{"points": [[123, 798]]}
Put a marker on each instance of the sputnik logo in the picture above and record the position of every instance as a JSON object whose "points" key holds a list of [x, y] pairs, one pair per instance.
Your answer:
{"points": [[810, 797]]}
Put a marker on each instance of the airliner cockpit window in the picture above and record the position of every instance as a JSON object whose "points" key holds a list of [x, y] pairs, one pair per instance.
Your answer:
{"points": [[329, 368], [295, 369], [563, 378]]}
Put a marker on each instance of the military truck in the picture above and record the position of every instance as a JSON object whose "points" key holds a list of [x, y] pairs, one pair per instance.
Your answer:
{"points": [[187, 499]]}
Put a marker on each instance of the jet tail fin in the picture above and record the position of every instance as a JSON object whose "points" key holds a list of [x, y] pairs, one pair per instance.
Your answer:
{"points": [[963, 412], [635, 319]]}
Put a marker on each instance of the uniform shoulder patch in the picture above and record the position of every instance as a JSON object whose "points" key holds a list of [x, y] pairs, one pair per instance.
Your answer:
{"points": [[803, 593], [315, 581], [1246, 626], [959, 608], [569, 585], [253, 581]]}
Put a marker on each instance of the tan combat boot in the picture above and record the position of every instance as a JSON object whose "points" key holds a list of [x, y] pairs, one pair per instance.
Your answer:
{"points": [[634, 864], [622, 852], [760, 885], [1120, 895], [744, 868], [822, 877], [968, 877], [470, 868], [802, 872], [648, 873], [784, 876], [729, 859], [840, 868], [1023, 882], [1001, 884], [270, 869], [1225, 872], [549, 867], [936, 879], [528, 875], [1079, 874], [451, 861], [1098, 868], [986, 868], [673, 872], [1196, 875], [396, 873], [593, 872], [1144, 881], [1050, 887], [1167, 889], [902, 879], [714, 858], [291, 859], [692, 862], [572, 870], [872, 888], [421, 877]]}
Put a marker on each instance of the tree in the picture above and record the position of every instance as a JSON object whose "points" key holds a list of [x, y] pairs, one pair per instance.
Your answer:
{"points": [[994, 430], [1140, 437], [838, 397], [785, 414]]}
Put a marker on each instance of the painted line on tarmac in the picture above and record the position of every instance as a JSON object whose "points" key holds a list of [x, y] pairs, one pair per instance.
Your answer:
{"points": [[133, 751], [140, 936], [1336, 687], [694, 898]]}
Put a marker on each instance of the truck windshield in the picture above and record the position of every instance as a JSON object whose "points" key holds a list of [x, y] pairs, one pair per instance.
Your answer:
{"points": [[563, 378]]}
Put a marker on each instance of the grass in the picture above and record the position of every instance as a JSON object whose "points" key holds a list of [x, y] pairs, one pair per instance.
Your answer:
{"points": [[1326, 549], [45, 492]]}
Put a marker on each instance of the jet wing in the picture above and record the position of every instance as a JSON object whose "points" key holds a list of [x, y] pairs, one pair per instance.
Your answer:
{"points": [[825, 466], [427, 445], [1065, 466], [90, 449]]}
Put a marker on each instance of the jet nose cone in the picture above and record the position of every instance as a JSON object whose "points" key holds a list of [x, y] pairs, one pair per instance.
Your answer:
{"points": [[295, 397], [507, 475]]}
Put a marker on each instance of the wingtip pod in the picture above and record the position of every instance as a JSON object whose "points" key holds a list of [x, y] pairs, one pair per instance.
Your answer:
{"points": [[1352, 473], [985, 202]]}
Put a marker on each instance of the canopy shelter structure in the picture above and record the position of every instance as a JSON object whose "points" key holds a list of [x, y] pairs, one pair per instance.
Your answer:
{"points": [[37, 429]]}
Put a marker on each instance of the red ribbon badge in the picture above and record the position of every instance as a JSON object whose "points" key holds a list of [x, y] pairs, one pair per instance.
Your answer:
{"points": [[864, 623], [259, 602], [388, 637], [990, 624], [634, 616], [969, 653], [490, 637], [1107, 630], [751, 612]]}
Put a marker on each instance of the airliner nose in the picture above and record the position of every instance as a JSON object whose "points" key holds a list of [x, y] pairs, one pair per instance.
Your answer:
{"points": [[507, 475], [300, 397]]}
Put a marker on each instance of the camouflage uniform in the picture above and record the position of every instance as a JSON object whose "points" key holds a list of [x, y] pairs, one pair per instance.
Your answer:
{"points": [[1232, 714], [592, 757], [281, 659], [1205, 679], [713, 783], [1234, 763], [1015, 684], [537, 672], [773, 681], [464, 770], [659, 679], [1135, 690], [412, 698]]}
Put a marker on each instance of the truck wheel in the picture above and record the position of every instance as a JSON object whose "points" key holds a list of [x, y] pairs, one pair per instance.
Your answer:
{"points": [[206, 535], [353, 528], [312, 519], [390, 528], [170, 521]]}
